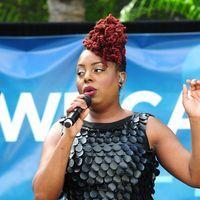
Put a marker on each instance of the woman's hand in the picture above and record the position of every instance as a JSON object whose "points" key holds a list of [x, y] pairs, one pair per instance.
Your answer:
{"points": [[191, 98], [78, 102]]}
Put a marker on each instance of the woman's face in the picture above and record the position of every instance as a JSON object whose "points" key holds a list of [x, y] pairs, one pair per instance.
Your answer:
{"points": [[97, 80]]}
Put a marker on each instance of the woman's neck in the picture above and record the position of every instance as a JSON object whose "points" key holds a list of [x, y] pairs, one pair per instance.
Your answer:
{"points": [[108, 114]]}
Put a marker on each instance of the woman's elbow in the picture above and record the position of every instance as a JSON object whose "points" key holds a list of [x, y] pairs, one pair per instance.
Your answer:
{"points": [[40, 196], [43, 195], [196, 183], [39, 193]]}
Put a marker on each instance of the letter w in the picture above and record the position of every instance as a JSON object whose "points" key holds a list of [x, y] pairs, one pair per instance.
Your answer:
{"points": [[26, 107]]}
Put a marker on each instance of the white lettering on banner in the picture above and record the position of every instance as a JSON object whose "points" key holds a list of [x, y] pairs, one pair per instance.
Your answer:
{"points": [[68, 98], [177, 116], [141, 96], [26, 107]]}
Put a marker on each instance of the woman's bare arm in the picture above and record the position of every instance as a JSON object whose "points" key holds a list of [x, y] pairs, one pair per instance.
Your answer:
{"points": [[49, 178], [172, 155], [170, 152]]}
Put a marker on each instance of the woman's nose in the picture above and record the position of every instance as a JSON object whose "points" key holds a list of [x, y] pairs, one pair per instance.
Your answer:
{"points": [[88, 77]]}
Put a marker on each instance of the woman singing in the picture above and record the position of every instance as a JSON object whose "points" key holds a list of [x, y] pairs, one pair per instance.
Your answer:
{"points": [[110, 152]]}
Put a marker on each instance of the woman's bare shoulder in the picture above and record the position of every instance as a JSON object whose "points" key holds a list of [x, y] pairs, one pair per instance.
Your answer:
{"points": [[154, 129], [55, 131]]}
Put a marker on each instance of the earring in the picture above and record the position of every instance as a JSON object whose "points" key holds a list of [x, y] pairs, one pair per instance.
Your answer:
{"points": [[121, 81]]}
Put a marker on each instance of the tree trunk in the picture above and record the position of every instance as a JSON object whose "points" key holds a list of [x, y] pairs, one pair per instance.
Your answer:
{"points": [[66, 10]]}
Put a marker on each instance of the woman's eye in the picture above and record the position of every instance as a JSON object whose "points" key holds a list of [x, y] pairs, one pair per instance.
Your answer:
{"points": [[80, 73], [99, 70]]}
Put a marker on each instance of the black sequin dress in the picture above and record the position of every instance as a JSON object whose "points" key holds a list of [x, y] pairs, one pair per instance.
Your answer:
{"points": [[111, 161]]}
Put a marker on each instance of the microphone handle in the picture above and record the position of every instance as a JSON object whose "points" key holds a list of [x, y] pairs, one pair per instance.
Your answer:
{"points": [[73, 117]]}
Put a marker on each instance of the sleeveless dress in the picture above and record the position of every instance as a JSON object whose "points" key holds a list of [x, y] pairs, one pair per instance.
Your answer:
{"points": [[111, 161]]}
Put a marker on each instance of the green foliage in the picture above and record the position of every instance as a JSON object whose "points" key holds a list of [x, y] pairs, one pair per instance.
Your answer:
{"points": [[101, 8], [126, 10], [161, 9], [23, 11]]}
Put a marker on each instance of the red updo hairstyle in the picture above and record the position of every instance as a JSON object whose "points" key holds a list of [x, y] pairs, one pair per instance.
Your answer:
{"points": [[108, 40]]}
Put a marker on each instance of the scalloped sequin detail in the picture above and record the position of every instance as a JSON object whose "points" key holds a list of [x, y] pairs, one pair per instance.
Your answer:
{"points": [[112, 163]]}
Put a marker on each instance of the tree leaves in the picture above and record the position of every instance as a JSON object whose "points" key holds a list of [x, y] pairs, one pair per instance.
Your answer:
{"points": [[162, 9], [126, 10], [23, 11]]}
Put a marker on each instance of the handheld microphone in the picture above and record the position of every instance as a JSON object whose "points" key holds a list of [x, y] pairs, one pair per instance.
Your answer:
{"points": [[74, 115]]}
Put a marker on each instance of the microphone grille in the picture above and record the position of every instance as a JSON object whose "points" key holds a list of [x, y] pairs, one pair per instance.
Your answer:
{"points": [[88, 100]]}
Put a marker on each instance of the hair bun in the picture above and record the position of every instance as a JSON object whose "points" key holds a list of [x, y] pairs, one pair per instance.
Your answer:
{"points": [[107, 40]]}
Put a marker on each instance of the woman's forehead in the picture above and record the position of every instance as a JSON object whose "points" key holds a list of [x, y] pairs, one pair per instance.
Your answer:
{"points": [[88, 55], [88, 58]]}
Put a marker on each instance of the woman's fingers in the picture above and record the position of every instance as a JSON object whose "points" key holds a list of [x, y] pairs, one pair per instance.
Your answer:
{"points": [[185, 92], [194, 84], [198, 85], [78, 102], [194, 88], [191, 84], [84, 114]]}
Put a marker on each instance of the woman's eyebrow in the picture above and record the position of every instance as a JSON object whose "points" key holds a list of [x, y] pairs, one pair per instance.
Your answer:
{"points": [[96, 63], [80, 65]]}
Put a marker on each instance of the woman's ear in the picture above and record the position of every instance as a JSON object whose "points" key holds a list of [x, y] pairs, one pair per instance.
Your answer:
{"points": [[122, 78]]}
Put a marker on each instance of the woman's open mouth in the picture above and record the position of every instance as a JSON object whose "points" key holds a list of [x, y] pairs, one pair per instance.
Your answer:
{"points": [[89, 90]]}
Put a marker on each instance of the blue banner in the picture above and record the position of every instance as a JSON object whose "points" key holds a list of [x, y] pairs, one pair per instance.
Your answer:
{"points": [[37, 83]]}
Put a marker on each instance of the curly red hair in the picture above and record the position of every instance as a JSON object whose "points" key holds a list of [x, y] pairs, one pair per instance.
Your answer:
{"points": [[108, 40]]}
